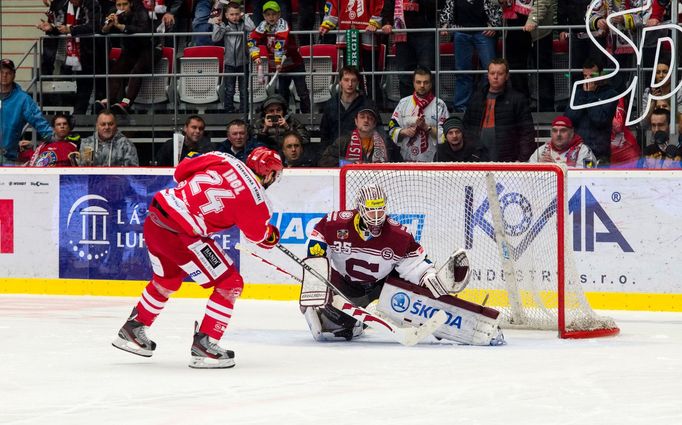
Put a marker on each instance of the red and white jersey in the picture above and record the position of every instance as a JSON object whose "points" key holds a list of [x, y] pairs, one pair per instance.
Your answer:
{"points": [[347, 14], [216, 191], [361, 258]]}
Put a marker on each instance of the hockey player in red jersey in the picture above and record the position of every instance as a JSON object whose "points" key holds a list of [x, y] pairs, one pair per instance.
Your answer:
{"points": [[215, 191], [366, 249]]}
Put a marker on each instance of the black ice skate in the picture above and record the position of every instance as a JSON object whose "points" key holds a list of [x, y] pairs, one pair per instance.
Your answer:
{"points": [[133, 339], [207, 354]]}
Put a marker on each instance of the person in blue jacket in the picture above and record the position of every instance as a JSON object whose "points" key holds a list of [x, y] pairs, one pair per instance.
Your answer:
{"points": [[17, 108]]}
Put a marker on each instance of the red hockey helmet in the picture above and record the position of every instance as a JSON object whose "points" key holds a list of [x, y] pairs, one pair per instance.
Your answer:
{"points": [[263, 161]]}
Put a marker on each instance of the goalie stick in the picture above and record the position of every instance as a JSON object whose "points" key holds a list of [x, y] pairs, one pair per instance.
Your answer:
{"points": [[408, 335], [242, 248]]}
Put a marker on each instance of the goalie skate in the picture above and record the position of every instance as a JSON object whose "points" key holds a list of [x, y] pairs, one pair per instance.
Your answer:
{"points": [[207, 354], [132, 337]]}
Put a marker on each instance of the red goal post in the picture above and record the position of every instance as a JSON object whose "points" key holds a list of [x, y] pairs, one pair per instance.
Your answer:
{"points": [[511, 218]]}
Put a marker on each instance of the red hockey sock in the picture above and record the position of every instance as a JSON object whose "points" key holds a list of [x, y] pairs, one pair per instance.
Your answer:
{"points": [[217, 315], [150, 305]]}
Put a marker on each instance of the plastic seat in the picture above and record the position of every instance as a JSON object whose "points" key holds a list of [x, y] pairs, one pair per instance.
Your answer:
{"points": [[322, 70], [193, 87], [155, 89]]}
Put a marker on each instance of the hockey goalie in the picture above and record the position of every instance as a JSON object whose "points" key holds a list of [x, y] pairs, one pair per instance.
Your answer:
{"points": [[368, 256]]}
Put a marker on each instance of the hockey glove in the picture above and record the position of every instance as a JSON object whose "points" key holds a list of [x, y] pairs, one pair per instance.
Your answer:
{"points": [[432, 283], [271, 239]]}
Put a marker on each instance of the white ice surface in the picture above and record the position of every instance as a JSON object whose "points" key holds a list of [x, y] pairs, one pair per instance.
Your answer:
{"points": [[57, 366]]}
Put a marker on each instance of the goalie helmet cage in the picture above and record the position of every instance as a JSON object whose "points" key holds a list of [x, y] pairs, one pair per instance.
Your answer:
{"points": [[510, 217]]}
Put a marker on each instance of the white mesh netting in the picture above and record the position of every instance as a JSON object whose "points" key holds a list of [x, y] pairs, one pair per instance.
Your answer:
{"points": [[447, 206]]}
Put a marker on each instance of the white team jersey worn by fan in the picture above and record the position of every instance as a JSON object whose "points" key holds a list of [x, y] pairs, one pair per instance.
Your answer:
{"points": [[215, 192], [364, 260], [405, 115]]}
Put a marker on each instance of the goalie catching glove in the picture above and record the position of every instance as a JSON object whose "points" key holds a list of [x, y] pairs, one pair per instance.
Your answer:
{"points": [[452, 277], [271, 238]]}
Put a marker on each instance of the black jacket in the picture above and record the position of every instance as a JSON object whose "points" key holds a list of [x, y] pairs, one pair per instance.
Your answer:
{"points": [[336, 120], [445, 154], [594, 124], [514, 129]]}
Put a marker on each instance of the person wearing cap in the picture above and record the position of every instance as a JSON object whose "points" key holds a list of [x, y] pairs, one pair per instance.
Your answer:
{"points": [[365, 144], [565, 147], [416, 123], [275, 121], [283, 55], [661, 153], [455, 149], [17, 108]]}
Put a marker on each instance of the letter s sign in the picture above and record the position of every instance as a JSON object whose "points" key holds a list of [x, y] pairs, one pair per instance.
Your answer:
{"points": [[631, 90], [6, 226]]}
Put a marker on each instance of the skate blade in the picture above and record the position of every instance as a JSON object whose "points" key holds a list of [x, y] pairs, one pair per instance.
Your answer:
{"points": [[131, 347], [200, 362]]}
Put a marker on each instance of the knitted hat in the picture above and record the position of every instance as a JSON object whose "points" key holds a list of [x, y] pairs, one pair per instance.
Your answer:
{"points": [[271, 5], [452, 122], [562, 121]]}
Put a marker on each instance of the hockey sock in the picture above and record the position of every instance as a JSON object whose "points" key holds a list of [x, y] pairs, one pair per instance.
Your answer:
{"points": [[152, 301], [217, 315]]}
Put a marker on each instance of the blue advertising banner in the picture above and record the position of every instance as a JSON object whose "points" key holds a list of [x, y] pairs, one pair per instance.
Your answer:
{"points": [[101, 220]]}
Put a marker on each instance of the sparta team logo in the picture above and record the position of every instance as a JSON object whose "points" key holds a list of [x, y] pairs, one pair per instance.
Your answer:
{"points": [[387, 253], [342, 234]]}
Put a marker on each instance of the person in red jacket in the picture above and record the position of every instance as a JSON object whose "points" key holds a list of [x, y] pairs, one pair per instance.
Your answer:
{"points": [[215, 191]]}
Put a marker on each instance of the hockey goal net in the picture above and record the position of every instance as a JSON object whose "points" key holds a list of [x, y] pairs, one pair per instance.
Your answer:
{"points": [[512, 220]]}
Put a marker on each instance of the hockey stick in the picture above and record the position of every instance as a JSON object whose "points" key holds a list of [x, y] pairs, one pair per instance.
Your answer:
{"points": [[408, 335], [242, 248], [505, 252]]}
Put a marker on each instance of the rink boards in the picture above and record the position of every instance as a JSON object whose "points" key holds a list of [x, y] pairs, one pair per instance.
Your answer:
{"points": [[79, 231]]}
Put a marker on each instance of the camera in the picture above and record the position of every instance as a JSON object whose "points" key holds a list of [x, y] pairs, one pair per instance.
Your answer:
{"points": [[273, 118]]}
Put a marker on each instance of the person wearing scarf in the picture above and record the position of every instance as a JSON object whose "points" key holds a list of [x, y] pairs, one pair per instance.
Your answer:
{"points": [[565, 146], [416, 123], [365, 144], [415, 48], [79, 20]]}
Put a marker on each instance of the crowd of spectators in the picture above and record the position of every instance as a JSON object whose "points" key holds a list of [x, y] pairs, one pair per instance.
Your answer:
{"points": [[489, 116]]}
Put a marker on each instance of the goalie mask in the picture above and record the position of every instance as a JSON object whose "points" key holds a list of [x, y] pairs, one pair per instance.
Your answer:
{"points": [[371, 204]]}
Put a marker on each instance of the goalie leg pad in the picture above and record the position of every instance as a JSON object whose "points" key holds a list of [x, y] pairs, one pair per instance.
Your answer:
{"points": [[329, 324], [467, 323]]}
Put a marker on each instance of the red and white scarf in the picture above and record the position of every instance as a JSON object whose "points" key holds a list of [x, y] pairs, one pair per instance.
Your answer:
{"points": [[155, 6], [354, 150], [510, 8], [399, 22], [421, 135], [73, 44], [571, 151]]}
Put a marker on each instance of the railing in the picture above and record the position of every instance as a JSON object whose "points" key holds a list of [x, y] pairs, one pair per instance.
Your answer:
{"points": [[178, 39]]}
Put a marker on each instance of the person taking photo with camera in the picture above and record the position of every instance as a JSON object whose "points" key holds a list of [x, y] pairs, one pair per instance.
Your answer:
{"points": [[275, 121]]}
